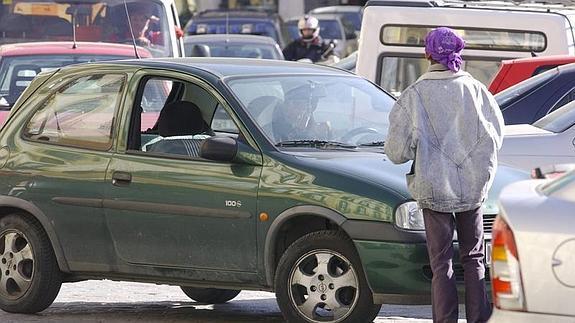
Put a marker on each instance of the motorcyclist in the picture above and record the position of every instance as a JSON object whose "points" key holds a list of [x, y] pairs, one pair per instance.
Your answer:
{"points": [[309, 46]]}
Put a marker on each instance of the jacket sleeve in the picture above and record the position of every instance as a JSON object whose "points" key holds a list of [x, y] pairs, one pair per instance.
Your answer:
{"points": [[289, 52], [398, 145]]}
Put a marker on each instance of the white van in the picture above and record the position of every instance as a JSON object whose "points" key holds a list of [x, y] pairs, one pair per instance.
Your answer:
{"points": [[391, 50]]}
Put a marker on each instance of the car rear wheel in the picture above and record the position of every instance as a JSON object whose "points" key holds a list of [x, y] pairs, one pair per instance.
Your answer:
{"points": [[210, 295], [320, 279], [29, 275]]}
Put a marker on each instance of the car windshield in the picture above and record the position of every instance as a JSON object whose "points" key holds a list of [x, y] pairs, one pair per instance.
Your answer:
{"points": [[245, 50], [18, 71], [329, 29], [221, 26], [558, 120], [90, 20], [354, 18], [508, 95], [316, 109]]}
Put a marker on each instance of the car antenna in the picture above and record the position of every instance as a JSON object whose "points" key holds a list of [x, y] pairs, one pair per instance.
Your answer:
{"points": [[131, 30], [74, 44]]}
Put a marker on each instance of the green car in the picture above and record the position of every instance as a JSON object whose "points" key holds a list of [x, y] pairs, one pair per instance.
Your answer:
{"points": [[216, 175]]}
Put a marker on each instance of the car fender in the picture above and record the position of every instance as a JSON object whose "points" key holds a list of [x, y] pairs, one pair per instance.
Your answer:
{"points": [[14, 202], [281, 219]]}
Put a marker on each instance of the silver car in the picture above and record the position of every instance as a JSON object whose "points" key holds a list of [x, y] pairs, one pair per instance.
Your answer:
{"points": [[232, 45], [548, 141], [533, 243]]}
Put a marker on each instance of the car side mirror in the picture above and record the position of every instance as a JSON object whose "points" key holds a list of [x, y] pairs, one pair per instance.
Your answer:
{"points": [[228, 149]]}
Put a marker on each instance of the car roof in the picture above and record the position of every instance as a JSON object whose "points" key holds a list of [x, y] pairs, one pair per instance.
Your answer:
{"points": [[556, 6], [67, 48], [319, 16], [233, 38], [233, 14], [335, 9], [566, 68], [541, 60], [228, 67]]}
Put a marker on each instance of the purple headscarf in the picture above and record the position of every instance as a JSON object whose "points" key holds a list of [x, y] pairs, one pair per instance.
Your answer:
{"points": [[445, 46]]}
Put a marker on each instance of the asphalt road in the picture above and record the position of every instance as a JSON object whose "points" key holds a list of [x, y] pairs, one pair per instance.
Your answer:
{"points": [[107, 301]]}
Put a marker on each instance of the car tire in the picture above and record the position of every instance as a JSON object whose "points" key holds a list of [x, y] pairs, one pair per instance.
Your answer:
{"points": [[305, 289], [210, 295], [30, 278]]}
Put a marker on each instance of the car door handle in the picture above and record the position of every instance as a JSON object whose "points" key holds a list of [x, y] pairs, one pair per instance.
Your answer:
{"points": [[121, 178]]}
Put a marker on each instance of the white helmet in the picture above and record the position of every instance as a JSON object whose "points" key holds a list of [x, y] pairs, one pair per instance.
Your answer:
{"points": [[308, 22]]}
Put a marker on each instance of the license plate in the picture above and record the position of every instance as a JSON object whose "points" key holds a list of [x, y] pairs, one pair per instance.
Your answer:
{"points": [[487, 250]]}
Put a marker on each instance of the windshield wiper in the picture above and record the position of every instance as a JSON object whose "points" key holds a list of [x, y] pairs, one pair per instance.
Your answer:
{"points": [[313, 143], [373, 144]]}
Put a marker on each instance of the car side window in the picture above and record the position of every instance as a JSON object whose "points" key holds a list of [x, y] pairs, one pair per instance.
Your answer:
{"points": [[222, 122], [79, 114], [568, 97], [184, 115]]}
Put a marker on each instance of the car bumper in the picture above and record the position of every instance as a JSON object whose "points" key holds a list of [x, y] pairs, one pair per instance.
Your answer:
{"points": [[500, 316], [395, 271], [396, 263]]}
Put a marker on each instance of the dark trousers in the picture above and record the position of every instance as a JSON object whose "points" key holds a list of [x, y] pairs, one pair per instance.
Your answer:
{"points": [[439, 228]]}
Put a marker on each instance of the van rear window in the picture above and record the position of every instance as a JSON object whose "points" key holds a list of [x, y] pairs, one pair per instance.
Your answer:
{"points": [[475, 38]]}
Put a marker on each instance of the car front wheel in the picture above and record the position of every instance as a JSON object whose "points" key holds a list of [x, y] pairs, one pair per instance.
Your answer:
{"points": [[29, 275], [210, 295], [320, 279]]}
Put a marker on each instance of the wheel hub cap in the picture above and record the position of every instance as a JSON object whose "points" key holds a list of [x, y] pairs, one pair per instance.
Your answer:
{"points": [[324, 286], [16, 264]]}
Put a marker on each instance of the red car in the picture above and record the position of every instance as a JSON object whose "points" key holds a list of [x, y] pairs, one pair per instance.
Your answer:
{"points": [[19, 63], [514, 71]]}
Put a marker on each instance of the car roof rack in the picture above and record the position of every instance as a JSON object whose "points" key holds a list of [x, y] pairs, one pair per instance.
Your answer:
{"points": [[509, 4], [405, 3]]}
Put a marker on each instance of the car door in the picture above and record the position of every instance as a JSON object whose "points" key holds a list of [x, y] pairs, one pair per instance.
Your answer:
{"points": [[62, 156], [170, 207]]}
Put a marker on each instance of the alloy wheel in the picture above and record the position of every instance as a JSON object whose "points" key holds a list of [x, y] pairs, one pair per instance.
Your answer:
{"points": [[324, 286], [16, 264]]}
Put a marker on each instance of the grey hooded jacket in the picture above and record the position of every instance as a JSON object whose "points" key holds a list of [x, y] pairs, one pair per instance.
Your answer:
{"points": [[451, 127]]}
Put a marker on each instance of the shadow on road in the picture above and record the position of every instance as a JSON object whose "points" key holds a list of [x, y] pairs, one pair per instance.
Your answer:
{"points": [[235, 311]]}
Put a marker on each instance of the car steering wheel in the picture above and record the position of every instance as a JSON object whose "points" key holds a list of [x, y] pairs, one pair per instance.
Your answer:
{"points": [[356, 132]]}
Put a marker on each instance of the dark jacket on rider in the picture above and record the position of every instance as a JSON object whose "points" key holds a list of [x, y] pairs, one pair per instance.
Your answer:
{"points": [[312, 50]]}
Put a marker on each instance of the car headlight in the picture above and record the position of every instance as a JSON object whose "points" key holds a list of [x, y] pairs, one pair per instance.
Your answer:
{"points": [[409, 216]]}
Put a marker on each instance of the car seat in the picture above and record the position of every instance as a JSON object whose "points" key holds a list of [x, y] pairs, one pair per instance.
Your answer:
{"points": [[182, 130]]}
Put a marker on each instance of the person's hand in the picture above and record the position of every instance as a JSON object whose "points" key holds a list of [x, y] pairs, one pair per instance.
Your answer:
{"points": [[143, 41]]}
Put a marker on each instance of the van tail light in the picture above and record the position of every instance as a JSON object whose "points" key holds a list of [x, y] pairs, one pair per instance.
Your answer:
{"points": [[505, 270]]}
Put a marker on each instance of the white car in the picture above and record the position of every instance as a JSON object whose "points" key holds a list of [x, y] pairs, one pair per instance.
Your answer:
{"points": [[533, 243], [548, 141]]}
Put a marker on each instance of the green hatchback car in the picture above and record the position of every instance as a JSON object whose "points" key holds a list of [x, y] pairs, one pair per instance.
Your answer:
{"points": [[216, 175]]}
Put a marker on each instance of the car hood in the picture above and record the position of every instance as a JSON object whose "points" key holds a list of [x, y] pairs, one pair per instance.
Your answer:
{"points": [[523, 130], [375, 168]]}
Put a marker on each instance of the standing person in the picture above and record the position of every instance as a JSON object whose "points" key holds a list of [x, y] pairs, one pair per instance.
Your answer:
{"points": [[451, 127], [309, 45]]}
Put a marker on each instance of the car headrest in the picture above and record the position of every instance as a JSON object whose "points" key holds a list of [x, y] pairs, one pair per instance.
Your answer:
{"points": [[181, 118]]}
